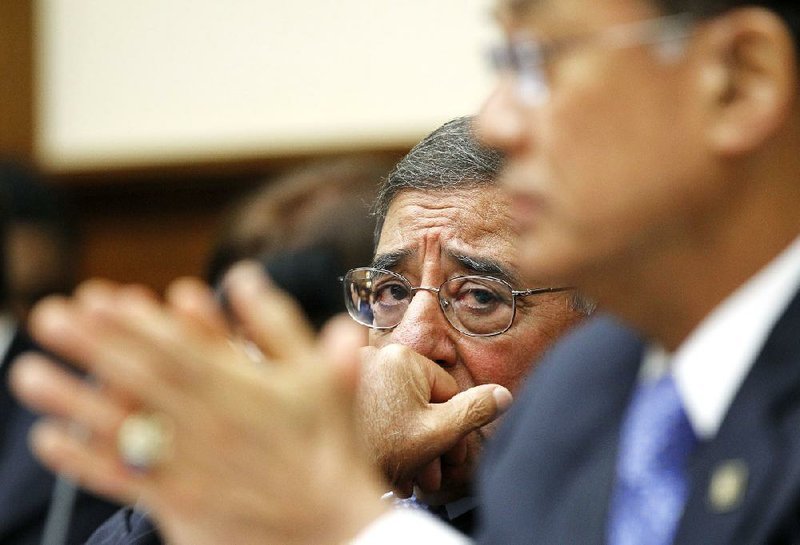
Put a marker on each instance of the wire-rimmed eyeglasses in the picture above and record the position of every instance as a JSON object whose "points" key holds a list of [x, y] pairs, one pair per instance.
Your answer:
{"points": [[526, 56], [475, 305]]}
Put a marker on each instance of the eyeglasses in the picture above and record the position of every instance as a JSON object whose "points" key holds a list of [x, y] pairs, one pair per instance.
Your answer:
{"points": [[477, 306], [527, 57]]}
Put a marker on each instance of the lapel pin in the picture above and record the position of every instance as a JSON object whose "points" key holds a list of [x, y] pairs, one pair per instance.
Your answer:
{"points": [[728, 485]]}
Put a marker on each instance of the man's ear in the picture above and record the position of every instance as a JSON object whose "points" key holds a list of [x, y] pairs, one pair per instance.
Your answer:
{"points": [[749, 77]]}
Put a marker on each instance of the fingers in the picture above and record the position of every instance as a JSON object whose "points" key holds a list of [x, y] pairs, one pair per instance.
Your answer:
{"points": [[403, 490], [60, 449], [194, 301], [442, 384], [48, 388], [81, 441], [456, 455], [430, 478], [129, 341], [465, 412], [268, 317]]}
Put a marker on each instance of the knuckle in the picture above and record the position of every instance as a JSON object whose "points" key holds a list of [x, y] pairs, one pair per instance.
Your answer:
{"points": [[474, 413], [394, 351]]}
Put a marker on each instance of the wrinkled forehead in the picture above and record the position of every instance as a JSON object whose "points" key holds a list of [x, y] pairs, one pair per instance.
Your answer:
{"points": [[467, 212], [475, 222]]}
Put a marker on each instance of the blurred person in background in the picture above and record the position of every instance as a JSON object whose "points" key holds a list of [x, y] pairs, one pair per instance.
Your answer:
{"points": [[40, 240], [38, 256], [307, 227]]}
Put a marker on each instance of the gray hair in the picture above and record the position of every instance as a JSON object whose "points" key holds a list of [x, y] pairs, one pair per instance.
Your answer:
{"points": [[785, 9], [449, 157]]}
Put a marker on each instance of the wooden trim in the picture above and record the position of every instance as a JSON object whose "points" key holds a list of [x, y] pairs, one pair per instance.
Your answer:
{"points": [[16, 85], [204, 171]]}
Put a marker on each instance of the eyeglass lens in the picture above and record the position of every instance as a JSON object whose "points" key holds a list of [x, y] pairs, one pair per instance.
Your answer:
{"points": [[472, 304]]}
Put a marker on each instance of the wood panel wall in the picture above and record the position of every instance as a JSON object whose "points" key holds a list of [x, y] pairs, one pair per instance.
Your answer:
{"points": [[148, 224], [16, 80], [154, 224]]}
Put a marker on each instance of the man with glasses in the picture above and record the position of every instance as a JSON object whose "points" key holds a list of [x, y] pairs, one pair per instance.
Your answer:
{"points": [[654, 165], [444, 283]]}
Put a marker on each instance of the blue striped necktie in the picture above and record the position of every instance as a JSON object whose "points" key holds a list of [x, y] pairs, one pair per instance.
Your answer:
{"points": [[652, 486]]}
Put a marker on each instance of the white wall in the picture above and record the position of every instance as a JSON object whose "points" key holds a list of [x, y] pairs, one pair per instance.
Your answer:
{"points": [[131, 82]]}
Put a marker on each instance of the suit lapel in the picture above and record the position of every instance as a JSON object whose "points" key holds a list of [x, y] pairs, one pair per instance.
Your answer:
{"points": [[585, 515], [757, 450], [548, 475]]}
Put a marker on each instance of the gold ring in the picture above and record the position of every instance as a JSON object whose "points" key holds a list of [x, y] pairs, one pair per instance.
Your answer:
{"points": [[143, 440]]}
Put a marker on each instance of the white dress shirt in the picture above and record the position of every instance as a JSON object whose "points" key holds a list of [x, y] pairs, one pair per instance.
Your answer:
{"points": [[709, 367], [711, 364]]}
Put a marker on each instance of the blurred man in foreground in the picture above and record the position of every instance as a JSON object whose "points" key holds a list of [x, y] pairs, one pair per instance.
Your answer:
{"points": [[652, 150]]}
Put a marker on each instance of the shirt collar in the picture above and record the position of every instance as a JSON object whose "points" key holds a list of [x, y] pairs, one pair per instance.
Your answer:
{"points": [[711, 364]]}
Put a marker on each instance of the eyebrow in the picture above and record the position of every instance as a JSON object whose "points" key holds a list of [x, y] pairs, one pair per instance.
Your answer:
{"points": [[486, 266], [391, 260], [473, 264]]}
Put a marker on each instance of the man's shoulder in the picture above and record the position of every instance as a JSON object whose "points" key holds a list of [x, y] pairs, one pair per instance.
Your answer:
{"points": [[580, 386], [554, 453], [596, 352]]}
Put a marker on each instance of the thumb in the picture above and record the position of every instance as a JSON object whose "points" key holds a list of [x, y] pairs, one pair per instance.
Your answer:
{"points": [[466, 412]]}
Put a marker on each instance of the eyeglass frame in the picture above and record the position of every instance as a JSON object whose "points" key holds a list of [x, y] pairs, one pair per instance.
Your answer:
{"points": [[412, 290], [527, 57]]}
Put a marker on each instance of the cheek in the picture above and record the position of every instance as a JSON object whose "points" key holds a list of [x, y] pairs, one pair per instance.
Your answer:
{"points": [[505, 363], [603, 201], [575, 149]]}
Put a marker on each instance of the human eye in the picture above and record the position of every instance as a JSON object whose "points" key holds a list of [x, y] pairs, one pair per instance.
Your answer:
{"points": [[479, 297], [390, 292], [390, 300]]}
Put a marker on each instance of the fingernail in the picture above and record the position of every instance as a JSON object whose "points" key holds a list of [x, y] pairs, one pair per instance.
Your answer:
{"points": [[502, 398]]}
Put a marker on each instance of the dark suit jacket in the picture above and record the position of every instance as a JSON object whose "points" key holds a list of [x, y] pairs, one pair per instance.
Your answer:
{"points": [[25, 486], [126, 527], [548, 474]]}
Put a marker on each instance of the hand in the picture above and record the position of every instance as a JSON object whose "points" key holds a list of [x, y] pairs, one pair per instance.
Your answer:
{"points": [[265, 454], [412, 415]]}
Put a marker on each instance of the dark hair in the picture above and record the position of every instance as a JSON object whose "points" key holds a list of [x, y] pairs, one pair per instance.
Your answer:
{"points": [[786, 9], [449, 157], [307, 228], [27, 201]]}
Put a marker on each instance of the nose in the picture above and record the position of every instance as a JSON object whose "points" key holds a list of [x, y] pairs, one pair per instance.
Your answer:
{"points": [[425, 329], [500, 123]]}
